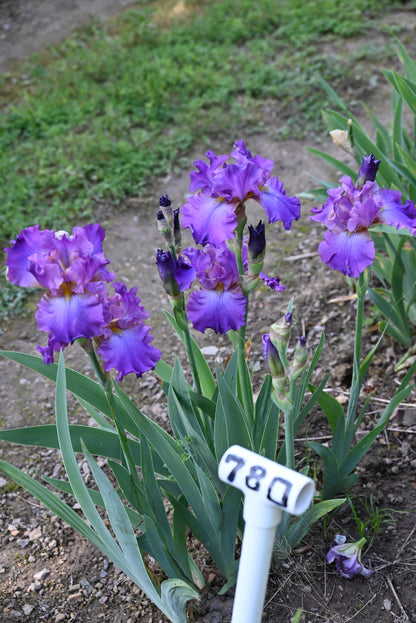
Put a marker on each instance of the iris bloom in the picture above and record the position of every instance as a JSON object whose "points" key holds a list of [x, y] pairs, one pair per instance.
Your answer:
{"points": [[218, 303], [73, 270], [350, 211], [347, 557], [125, 343], [221, 189]]}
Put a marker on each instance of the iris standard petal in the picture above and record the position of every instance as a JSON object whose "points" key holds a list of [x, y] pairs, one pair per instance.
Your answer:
{"points": [[238, 181], [129, 350], [350, 253], [210, 219], [278, 206], [30, 242], [220, 310]]}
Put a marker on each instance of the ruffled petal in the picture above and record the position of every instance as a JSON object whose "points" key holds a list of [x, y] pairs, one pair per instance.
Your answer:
{"points": [[129, 350], [278, 206], [203, 178], [68, 318], [220, 310], [30, 242], [394, 213], [238, 181], [350, 253], [210, 219]]}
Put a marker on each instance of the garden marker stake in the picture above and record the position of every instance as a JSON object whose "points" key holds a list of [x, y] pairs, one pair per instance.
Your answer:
{"points": [[269, 489]]}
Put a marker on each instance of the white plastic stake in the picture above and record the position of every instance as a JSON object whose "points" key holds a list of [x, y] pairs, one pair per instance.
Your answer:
{"points": [[269, 488]]}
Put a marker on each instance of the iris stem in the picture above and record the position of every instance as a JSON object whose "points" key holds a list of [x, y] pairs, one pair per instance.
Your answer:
{"points": [[362, 287], [105, 381], [191, 355], [124, 442], [289, 425]]}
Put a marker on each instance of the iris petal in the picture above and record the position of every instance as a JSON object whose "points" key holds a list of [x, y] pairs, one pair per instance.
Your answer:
{"points": [[31, 241], [68, 318], [350, 253], [129, 351], [278, 206], [210, 219], [220, 310]]}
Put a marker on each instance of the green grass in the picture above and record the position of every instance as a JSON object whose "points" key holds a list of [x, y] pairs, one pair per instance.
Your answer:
{"points": [[120, 103]]}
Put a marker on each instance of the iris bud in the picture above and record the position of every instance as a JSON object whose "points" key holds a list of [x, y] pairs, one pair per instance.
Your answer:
{"points": [[368, 170]]}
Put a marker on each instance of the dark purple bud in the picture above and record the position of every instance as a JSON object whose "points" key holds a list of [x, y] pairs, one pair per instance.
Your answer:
{"points": [[288, 318], [368, 170], [302, 341], [167, 266], [165, 201], [166, 205], [257, 240]]}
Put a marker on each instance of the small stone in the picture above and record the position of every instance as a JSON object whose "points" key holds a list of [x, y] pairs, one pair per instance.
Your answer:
{"points": [[75, 598], [387, 605], [74, 588], [86, 586], [60, 617], [41, 575], [209, 350], [23, 542], [34, 534], [103, 599], [3, 482], [27, 609]]}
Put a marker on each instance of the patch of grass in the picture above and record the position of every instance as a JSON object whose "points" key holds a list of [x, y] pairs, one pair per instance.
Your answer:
{"points": [[118, 103]]}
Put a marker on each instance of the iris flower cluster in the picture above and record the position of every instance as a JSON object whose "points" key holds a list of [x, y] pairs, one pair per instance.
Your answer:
{"points": [[349, 213], [77, 303], [222, 273]]}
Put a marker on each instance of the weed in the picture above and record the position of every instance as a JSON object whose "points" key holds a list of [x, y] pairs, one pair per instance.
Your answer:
{"points": [[370, 519]]}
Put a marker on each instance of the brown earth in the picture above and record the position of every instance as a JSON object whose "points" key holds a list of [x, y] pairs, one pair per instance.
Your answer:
{"points": [[80, 584]]}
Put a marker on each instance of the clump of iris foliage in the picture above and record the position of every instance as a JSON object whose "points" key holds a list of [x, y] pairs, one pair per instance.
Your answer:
{"points": [[209, 285], [394, 292]]}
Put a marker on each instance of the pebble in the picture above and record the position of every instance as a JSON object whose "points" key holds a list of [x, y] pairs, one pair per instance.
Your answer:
{"points": [[75, 598], [41, 575], [27, 609], [60, 617]]}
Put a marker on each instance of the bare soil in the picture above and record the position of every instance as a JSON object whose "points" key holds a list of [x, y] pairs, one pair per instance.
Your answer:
{"points": [[76, 583]]}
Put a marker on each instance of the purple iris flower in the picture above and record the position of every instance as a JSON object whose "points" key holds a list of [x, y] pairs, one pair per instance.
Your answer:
{"points": [[219, 302], [73, 270], [350, 212], [213, 212], [125, 343], [347, 557]]}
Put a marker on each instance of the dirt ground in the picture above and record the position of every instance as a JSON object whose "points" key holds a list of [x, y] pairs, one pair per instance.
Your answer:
{"points": [[49, 573]]}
